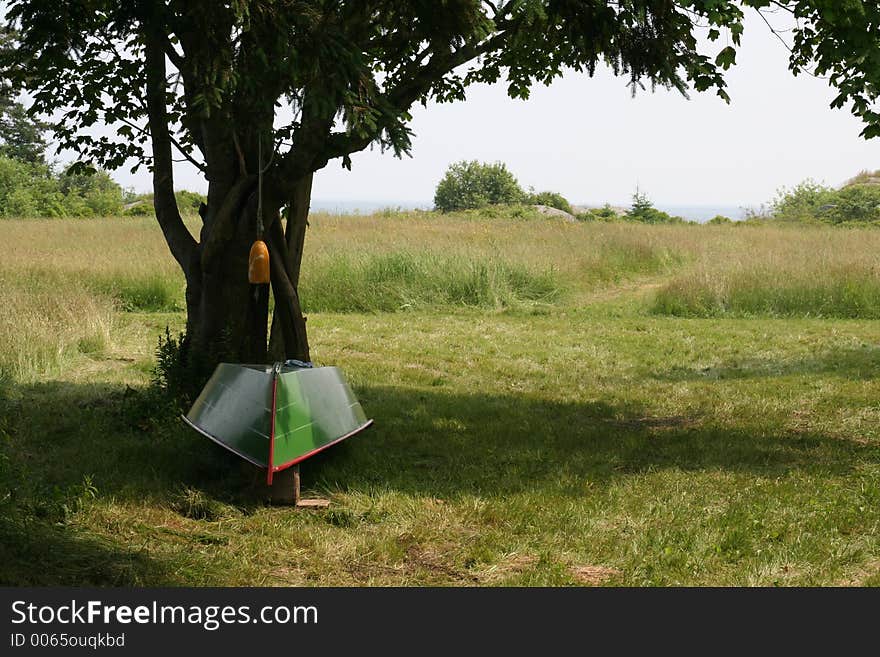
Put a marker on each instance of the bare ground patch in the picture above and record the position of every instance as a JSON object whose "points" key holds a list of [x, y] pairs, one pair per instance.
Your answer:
{"points": [[594, 575]]}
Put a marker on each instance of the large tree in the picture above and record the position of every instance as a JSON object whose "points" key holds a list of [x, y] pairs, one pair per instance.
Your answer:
{"points": [[21, 135], [276, 89]]}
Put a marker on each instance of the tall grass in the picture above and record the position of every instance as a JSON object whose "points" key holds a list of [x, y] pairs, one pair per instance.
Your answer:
{"points": [[385, 262], [43, 325], [779, 272], [401, 280], [63, 279], [418, 259], [123, 258]]}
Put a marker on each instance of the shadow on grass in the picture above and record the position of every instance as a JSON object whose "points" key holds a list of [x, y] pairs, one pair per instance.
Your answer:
{"points": [[860, 363], [36, 553], [434, 443], [426, 442]]}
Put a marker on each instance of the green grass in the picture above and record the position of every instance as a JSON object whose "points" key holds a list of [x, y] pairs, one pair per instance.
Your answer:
{"points": [[786, 272], [404, 280], [846, 293], [577, 440]]}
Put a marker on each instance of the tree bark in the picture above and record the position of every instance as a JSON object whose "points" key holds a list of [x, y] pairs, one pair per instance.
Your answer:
{"points": [[288, 318], [228, 316], [228, 319], [283, 343]]}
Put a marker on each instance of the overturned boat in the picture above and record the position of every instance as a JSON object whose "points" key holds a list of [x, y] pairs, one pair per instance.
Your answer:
{"points": [[276, 416]]}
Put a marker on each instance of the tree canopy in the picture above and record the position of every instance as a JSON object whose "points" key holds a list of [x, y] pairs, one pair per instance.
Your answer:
{"points": [[282, 87], [359, 66]]}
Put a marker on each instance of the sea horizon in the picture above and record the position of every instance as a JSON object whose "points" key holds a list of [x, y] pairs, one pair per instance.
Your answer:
{"points": [[692, 212]]}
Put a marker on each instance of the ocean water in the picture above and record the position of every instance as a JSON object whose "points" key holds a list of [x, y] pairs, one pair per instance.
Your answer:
{"points": [[366, 207], [698, 213], [702, 213]]}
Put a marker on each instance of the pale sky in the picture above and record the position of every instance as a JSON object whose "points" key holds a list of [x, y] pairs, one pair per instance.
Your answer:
{"points": [[589, 139]]}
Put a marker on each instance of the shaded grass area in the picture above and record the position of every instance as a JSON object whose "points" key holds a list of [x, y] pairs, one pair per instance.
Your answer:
{"points": [[521, 466]]}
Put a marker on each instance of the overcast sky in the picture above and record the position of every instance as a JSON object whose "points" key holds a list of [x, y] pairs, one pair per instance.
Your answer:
{"points": [[589, 139]]}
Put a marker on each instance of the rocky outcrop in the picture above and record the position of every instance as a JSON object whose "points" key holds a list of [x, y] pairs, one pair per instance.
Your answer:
{"points": [[554, 212]]}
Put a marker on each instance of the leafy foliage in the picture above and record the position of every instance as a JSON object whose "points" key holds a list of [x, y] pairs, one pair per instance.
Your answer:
{"points": [[469, 185], [34, 190], [365, 63], [857, 202], [141, 205], [21, 137], [552, 199], [643, 210], [605, 213], [802, 202]]}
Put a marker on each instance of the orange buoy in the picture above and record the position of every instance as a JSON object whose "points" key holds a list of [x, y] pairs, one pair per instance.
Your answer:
{"points": [[258, 263]]}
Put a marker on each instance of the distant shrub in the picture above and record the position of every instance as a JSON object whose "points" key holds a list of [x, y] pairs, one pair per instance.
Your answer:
{"points": [[188, 202], [605, 213], [551, 199], [720, 219], [643, 211], [856, 202], [140, 208], [469, 185], [28, 190], [515, 211], [90, 194], [141, 205], [803, 202], [859, 203], [34, 190]]}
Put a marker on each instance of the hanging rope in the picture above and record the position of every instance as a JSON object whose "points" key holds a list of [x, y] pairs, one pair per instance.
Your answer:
{"points": [[260, 188], [258, 259]]}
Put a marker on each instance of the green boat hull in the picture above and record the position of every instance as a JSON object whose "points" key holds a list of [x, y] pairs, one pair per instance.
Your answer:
{"points": [[314, 408]]}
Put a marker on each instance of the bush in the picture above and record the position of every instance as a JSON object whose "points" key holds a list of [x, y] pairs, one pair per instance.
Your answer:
{"points": [[33, 190], [643, 211], [90, 194], [551, 199], [857, 202], [860, 203], [141, 205], [803, 202], [140, 208], [187, 202], [469, 185], [720, 219], [605, 213]]}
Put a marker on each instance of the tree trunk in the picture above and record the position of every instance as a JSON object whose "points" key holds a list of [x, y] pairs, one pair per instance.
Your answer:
{"points": [[284, 342], [227, 316], [226, 311]]}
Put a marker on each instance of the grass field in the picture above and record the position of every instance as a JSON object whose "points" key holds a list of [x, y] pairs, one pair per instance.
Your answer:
{"points": [[555, 404]]}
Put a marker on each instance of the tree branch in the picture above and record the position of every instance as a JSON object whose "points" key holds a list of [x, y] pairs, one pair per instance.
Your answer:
{"points": [[187, 157], [413, 85], [287, 304], [223, 226], [182, 245]]}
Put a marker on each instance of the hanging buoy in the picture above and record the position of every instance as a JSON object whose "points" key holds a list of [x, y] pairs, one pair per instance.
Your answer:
{"points": [[258, 263]]}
